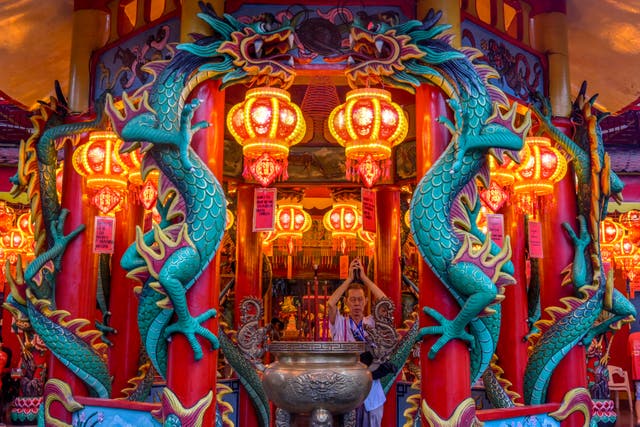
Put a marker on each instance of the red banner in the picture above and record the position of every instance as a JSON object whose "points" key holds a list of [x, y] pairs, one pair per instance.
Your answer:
{"points": [[535, 239], [495, 225], [344, 266], [104, 235], [264, 209], [368, 210]]}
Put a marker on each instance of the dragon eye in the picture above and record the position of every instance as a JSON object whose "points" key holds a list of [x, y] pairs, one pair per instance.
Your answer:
{"points": [[373, 27]]}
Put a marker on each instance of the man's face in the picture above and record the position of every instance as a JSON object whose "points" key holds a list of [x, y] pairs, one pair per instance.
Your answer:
{"points": [[356, 302]]}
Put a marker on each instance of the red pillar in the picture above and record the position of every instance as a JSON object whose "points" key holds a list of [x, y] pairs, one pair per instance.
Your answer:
{"points": [[512, 349], [558, 253], [209, 145], [76, 285], [449, 371], [248, 279], [124, 355], [388, 274]]}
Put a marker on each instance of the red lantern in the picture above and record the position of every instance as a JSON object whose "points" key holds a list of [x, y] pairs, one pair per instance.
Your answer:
{"points": [[368, 125], [266, 124], [343, 220], [545, 166], [631, 220], [626, 254], [611, 233], [105, 172], [99, 161], [292, 221]]}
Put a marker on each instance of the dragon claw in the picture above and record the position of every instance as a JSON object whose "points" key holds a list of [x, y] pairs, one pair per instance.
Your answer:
{"points": [[446, 329], [191, 327]]}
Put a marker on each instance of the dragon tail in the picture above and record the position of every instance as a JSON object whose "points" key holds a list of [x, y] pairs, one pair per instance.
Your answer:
{"points": [[75, 348], [248, 377]]}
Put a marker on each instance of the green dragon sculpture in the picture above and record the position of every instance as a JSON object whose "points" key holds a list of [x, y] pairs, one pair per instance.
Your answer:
{"points": [[192, 204], [445, 202], [444, 206], [33, 289], [193, 213], [576, 322]]}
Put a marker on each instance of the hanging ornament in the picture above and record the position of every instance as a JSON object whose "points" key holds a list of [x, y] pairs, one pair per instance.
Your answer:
{"points": [[292, 221], [631, 221], [105, 173], [611, 234], [343, 220], [626, 254], [535, 179], [368, 125], [494, 196], [148, 195], [266, 124]]}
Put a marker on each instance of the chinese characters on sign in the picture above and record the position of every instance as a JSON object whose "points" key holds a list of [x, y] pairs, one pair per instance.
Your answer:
{"points": [[264, 209], [495, 225], [368, 210], [535, 239], [104, 236]]}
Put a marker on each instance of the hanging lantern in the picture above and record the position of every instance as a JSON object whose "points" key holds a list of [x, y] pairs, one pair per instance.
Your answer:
{"points": [[368, 125], [626, 254], [14, 243], [545, 166], [292, 221], [343, 220], [266, 124], [631, 220], [13, 239], [100, 163], [611, 233], [133, 162]]}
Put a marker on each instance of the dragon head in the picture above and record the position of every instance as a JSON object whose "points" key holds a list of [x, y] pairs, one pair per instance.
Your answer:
{"points": [[377, 52], [401, 55], [255, 52], [261, 49]]}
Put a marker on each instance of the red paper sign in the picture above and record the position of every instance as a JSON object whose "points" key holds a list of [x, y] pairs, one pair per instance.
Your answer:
{"points": [[495, 225], [344, 266], [535, 239], [104, 235], [264, 209], [368, 210]]}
